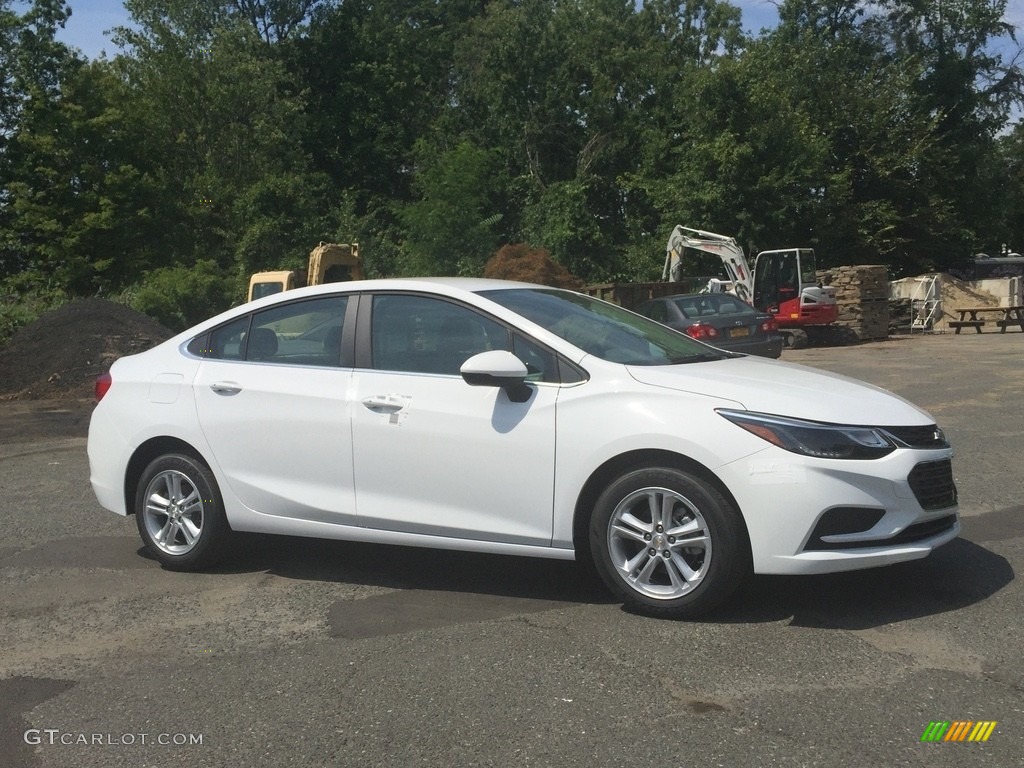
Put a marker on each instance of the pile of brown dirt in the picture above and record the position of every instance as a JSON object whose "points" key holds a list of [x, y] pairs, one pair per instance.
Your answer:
{"points": [[530, 265], [60, 355], [958, 293]]}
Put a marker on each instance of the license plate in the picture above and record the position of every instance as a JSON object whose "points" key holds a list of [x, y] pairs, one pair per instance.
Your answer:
{"points": [[737, 332]]}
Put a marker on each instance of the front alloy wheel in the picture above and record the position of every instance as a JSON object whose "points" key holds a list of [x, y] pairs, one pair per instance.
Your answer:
{"points": [[659, 542], [668, 542]]}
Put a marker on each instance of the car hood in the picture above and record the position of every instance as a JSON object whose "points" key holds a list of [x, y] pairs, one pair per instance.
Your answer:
{"points": [[785, 389]]}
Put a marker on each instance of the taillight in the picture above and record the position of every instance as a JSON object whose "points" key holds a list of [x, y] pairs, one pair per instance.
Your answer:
{"points": [[701, 331], [103, 382], [769, 325]]}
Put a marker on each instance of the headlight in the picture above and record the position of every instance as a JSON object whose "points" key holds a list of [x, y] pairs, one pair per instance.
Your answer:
{"points": [[812, 438]]}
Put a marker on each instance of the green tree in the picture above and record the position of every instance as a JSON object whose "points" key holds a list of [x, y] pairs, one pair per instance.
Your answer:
{"points": [[1008, 176], [276, 20], [280, 218], [376, 77], [179, 297], [872, 139], [223, 116], [454, 227], [687, 83], [970, 89], [68, 192], [844, 169], [9, 97], [554, 88], [80, 204]]}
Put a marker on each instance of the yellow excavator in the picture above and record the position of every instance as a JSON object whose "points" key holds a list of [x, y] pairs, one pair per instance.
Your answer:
{"points": [[328, 263]]}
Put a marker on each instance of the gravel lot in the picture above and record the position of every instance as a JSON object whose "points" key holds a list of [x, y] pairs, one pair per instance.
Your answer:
{"points": [[313, 653]]}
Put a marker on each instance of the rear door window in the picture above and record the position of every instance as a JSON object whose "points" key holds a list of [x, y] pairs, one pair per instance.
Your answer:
{"points": [[301, 333], [225, 342], [298, 333]]}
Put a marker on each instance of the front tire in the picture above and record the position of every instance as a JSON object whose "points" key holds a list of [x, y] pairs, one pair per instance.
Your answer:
{"points": [[180, 513], [668, 543]]}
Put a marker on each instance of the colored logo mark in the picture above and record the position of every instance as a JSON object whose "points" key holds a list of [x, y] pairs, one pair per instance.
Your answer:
{"points": [[959, 730]]}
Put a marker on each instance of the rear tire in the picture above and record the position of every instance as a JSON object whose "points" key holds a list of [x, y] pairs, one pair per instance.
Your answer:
{"points": [[668, 543], [180, 513]]}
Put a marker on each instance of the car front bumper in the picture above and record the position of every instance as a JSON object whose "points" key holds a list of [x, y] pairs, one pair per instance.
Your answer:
{"points": [[784, 497]]}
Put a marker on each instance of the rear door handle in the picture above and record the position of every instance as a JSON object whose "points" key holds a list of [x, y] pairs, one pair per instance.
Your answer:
{"points": [[226, 388]]}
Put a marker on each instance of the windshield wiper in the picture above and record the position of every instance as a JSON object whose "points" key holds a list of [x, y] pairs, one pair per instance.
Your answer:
{"points": [[701, 357]]}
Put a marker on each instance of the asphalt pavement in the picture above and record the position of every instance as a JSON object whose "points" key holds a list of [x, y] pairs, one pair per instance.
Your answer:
{"points": [[314, 653]]}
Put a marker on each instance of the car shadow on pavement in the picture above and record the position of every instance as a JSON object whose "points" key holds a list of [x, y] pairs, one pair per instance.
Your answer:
{"points": [[427, 588], [443, 587], [413, 568], [957, 575]]}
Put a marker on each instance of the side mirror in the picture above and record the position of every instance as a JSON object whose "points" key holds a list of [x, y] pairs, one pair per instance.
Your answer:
{"points": [[498, 369]]}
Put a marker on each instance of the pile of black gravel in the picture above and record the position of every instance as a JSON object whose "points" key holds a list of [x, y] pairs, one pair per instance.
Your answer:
{"points": [[60, 355]]}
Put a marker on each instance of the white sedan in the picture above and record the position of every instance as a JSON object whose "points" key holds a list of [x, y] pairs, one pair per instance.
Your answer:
{"points": [[512, 418]]}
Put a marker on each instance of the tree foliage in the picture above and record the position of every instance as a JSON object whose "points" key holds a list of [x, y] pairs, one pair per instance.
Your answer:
{"points": [[229, 136], [180, 296]]}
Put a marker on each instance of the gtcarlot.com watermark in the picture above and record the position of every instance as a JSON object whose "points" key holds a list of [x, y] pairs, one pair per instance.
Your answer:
{"points": [[57, 737]]}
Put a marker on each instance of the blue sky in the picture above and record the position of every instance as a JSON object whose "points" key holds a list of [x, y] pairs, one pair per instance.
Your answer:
{"points": [[91, 19]]}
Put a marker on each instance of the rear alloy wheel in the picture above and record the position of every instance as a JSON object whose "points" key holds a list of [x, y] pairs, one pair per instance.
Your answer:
{"points": [[668, 542], [180, 513]]}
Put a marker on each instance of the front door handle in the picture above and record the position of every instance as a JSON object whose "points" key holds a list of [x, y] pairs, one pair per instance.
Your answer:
{"points": [[385, 403], [226, 388]]}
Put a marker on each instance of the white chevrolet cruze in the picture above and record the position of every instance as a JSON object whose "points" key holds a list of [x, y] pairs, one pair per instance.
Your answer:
{"points": [[516, 419]]}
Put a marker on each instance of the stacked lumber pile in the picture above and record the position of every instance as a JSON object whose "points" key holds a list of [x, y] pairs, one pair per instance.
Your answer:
{"points": [[901, 315], [862, 293]]}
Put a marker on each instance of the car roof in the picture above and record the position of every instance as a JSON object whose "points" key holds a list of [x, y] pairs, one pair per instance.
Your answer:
{"points": [[453, 284], [445, 286], [453, 287]]}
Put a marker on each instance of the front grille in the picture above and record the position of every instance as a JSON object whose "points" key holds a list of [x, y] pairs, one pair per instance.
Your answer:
{"points": [[929, 436], [932, 484]]}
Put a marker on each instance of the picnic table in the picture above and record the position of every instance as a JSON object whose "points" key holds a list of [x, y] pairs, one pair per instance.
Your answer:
{"points": [[1006, 316]]}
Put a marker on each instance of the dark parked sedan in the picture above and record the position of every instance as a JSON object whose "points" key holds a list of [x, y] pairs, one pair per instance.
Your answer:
{"points": [[719, 319]]}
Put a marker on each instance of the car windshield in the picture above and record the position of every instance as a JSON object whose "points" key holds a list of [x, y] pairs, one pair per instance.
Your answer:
{"points": [[603, 330]]}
